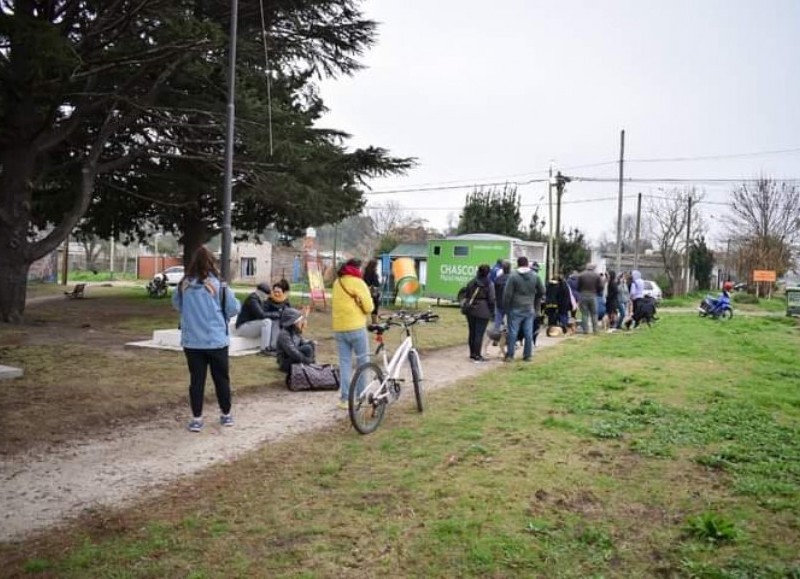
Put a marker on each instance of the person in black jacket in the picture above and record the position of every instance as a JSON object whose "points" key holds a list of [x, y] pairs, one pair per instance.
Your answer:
{"points": [[479, 310], [255, 320], [373, 281], [292, 348]]}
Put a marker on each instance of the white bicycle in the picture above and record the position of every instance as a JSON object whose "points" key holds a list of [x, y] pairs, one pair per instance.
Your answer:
{"points": [[372, 388]]}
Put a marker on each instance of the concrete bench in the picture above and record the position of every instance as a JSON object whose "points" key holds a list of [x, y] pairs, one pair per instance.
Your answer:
{"points": [[10, 372], [171, 340]]}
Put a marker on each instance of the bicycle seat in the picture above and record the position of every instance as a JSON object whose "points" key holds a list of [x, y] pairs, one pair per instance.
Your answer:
{"points": [[378, 328]]}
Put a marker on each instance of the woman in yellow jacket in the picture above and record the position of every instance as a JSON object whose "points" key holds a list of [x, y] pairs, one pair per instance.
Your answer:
{"points": [[351, 304]]}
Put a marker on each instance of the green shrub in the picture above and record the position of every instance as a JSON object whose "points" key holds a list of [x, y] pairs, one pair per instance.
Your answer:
{"points": [[711, 527], [745, 298]]}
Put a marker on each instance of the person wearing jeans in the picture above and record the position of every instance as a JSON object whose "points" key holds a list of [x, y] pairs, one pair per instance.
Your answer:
{"points": [[522, 299], [351, 302], [500, 285], [348, 344], [589, 285]]}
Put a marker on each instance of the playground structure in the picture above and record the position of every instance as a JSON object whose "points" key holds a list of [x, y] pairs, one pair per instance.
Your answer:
{"points": [[407, 286]]}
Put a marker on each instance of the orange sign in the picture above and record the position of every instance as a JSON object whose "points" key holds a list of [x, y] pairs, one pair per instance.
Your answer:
{"points": [[764, 275]]}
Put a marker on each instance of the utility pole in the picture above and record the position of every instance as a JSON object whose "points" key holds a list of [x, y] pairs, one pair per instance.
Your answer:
{"points": [[638, 226], [335, 243], [550, 271], [561, 181], [727, 261], [688, 241], [65, 262], [227, 192], [619, 201], [111, 255]]}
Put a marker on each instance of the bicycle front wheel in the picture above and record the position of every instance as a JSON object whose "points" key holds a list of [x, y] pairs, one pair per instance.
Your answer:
{"points": [[365, 403], [416, 377]]}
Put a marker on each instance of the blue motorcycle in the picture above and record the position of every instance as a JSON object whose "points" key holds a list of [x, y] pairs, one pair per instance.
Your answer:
{"points": [[717, 308]]}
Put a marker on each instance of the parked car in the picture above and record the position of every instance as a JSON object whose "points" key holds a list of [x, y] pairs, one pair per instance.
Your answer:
{"points": [[173, 274], [651, 289]]}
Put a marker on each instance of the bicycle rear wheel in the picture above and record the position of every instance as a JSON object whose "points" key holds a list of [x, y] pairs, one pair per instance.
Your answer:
{"points": [[365, 409], [416, 377]]}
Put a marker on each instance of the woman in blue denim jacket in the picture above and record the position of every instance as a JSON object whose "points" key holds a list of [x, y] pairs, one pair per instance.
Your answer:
{"points": [[206, 304]]}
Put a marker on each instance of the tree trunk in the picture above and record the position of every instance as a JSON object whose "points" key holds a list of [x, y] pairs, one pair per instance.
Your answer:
{"points": [[17, 253], [15, 249], [195, 234], [13, 282]]}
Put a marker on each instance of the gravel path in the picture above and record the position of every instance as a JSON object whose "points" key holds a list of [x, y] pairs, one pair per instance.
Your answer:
{"points": [[38, 491]]}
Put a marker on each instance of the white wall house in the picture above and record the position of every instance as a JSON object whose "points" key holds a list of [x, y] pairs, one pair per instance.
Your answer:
{"points": [[251, 262]]}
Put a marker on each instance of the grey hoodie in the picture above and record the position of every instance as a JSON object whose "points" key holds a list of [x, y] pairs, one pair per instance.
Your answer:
{"points": [[523, 292]]}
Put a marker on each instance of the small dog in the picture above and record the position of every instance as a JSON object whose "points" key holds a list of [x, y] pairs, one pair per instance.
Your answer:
{"points": [[500, 339], [497, 339]]}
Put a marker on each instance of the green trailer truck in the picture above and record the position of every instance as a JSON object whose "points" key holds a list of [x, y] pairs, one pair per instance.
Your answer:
{"points": [[452, 261]]}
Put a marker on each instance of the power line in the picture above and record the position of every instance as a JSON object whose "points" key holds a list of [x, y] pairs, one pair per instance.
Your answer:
{"points": [[712, 180], [565, 202], [512, 179], [715, 157], [482, 182], [452, 187]]}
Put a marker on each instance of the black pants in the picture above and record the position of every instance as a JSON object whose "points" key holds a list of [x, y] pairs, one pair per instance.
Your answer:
{"points": [[477, 327], [199, 361]]}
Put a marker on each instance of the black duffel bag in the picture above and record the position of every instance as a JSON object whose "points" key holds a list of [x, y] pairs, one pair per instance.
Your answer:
{"points": [[313, 377]]}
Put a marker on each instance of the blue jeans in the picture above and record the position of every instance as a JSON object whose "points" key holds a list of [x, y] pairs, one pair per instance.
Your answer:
{"points": [[347, 343], [499, 314], [523, 319], [620, 314]]}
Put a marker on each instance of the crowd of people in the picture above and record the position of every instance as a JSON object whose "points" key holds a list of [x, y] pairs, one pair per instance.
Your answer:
{"points": [[517, 302], [513, 299]]}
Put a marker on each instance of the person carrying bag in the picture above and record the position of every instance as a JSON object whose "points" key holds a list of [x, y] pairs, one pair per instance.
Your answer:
{"points": [[351, 303], [479, 309]]}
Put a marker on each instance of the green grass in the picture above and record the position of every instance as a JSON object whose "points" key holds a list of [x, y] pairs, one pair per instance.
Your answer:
{"points": [[664, 452], [78, 376]]}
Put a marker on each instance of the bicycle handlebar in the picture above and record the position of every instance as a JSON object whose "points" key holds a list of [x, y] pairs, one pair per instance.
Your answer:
{"points": [[402, 319]]}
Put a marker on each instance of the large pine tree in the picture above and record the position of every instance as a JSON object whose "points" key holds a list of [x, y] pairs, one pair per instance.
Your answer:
{"points": [[492, 211], [112, 117]]}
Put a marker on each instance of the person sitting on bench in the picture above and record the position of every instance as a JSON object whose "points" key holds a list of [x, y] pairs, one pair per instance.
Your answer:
{"points": [[77, 291], [292, 347], [256, 320]]}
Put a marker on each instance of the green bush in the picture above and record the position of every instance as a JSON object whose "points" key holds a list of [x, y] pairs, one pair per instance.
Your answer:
{"points": [[666, 287], [745, 298], [711, 527]]}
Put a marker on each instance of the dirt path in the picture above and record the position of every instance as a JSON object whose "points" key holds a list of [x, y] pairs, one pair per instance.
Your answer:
{"points": [[40, 490]]}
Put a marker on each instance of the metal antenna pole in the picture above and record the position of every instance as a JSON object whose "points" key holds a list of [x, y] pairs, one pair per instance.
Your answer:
{"points": [[227, 192], [619, 203]]}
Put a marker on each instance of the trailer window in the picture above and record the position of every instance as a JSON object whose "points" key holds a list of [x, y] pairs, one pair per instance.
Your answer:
{"points": [[460, 251], [437, 250]]}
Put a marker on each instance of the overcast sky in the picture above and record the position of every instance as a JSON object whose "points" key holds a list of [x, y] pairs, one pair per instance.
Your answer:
{"points": [[484, 92]]}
